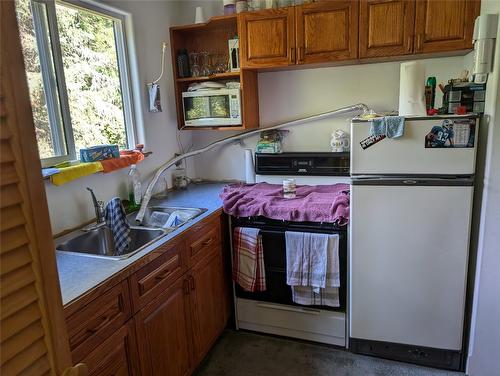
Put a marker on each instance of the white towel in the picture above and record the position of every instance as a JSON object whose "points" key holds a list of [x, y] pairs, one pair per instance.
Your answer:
{"points": [[313, 271], [305, 295], [306, 255]]}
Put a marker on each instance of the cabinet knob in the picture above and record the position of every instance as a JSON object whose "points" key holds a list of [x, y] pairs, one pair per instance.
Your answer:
{"points": [[185, 286], [419, 42]]}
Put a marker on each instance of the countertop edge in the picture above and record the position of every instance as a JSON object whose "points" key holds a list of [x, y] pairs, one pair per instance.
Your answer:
{"points": [[73, 305]]}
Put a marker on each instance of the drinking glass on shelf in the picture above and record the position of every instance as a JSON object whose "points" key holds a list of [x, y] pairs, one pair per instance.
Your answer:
{"points": [[205, 64], [195, 66], [222, 64]]}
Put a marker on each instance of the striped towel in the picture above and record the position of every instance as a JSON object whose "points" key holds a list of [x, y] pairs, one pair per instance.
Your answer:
{"points": [[313, 268], [248, 259], [305, 295], [116, 220]]}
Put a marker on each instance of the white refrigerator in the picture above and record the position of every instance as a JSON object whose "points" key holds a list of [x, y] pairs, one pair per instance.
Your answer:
{"points": [[411, 207]]}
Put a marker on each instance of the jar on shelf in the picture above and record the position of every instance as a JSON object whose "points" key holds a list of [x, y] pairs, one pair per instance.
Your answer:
{"points": [[229, 7], [284, 3], [183, 63], [241, 6]]}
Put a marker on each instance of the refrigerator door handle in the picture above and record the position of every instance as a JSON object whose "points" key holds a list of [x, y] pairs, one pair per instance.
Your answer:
{"points": [[412, 181]]}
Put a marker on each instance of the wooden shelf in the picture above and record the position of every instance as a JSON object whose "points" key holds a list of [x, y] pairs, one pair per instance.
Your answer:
{"points": [[215, 21], [217, 76], [215, 128], [213, 37]]}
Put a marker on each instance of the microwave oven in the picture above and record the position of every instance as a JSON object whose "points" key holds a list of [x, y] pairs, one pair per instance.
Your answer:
{"points": [[220, 107]]}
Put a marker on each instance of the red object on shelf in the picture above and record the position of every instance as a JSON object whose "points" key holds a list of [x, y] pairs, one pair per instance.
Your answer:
{"points": [[432, 111], [461, 110], [127, 158]]}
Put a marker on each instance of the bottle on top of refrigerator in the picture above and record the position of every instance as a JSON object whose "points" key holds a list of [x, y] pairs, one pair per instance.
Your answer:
{"points": [[135, 188]]}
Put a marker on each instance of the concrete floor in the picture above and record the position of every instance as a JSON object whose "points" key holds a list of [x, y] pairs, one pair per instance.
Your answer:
{"points": [[248, 354]]}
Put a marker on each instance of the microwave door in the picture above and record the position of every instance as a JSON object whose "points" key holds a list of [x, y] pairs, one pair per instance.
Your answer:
{"points": [[219, 106], [196, 108]]}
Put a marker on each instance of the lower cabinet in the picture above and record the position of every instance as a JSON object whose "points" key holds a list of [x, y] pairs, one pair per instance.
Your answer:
{"points": [[116, 356], [164, 318], [163, 333], [207, 303]]}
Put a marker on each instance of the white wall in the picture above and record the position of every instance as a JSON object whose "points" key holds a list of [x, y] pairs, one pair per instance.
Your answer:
{"points": [[298, 93], [484, 346], [70, 204]]}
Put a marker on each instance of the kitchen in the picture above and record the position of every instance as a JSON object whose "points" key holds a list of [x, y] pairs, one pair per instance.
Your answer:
{"points": [[282, 96]]}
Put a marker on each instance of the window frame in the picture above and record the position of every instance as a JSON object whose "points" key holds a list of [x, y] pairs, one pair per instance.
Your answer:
{"points": [[58, 87]]}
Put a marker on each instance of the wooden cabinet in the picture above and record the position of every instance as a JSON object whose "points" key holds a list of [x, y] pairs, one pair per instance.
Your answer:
{"points": [[179, 326], [386, 27], [203, 237], [163, 333], [207, 303], [97, 320], [180, 297], [116, 356], [267, 38], [313, 33], [327, 31], [158, 274], [444, 25], [213, 37]]}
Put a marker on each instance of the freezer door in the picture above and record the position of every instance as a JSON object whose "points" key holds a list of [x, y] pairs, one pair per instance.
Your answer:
{"points": [[408, 155], [409, 251]]}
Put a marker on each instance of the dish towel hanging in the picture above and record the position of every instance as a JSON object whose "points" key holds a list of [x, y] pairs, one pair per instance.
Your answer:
{"points": [[248, 259], [313, 268], [116, 220]]}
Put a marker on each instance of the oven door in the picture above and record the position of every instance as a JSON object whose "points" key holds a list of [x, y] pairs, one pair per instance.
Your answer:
{"points": [[273, 241]]}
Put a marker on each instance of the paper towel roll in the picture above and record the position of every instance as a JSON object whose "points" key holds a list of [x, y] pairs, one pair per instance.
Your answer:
{"points": [[249, 167], [412, 89]]}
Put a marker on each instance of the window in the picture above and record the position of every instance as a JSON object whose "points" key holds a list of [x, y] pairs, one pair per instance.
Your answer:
{"points": [[76, 66]]}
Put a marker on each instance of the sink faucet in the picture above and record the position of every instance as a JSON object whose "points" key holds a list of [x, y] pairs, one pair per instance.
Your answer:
{"points": [[98, 207]]}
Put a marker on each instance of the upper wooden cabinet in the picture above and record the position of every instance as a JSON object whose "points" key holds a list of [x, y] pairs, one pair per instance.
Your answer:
{"points": [[327, 31], [386, 27], [444, 25], [267, 38]]}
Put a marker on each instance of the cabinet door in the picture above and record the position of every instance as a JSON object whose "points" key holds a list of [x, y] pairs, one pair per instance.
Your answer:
{"points": [[116, 356], [163, 333], [267, 38], [207, 302], [327, 31], [444, 25], [386, 27]]}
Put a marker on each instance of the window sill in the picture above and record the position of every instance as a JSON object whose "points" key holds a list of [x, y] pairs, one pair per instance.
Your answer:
{"points": [[68, 174]]}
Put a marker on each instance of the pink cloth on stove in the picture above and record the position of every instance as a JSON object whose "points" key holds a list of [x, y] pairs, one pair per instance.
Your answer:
{"points": [[314, 203]]}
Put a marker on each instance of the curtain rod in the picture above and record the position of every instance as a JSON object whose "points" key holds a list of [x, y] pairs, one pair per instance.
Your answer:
{"points": [[149, 190]]}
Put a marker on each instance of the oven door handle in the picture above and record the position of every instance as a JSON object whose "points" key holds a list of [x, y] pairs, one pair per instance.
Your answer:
{"points": [[309, 311]]}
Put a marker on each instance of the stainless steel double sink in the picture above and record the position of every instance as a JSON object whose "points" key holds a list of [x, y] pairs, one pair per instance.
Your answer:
{"points": [[97, 240]]}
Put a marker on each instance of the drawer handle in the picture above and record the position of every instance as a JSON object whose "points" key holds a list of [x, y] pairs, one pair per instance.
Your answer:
{"points": [[207, 242], [104, 320], [192, 282], [163, 275]]}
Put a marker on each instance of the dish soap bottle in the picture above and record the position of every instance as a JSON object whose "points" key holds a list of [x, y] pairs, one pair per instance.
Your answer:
{"points": [[135, 188]]}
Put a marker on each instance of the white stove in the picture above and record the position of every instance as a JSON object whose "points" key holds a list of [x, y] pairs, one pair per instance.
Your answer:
{"points": [[273, 314]]}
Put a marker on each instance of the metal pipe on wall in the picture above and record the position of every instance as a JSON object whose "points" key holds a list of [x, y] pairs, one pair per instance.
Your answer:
{"points": [[149, 190]]}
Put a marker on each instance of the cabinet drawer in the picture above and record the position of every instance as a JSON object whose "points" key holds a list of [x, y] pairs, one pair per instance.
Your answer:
{"points": [[204, 237], [98, 320], [116, 356], [157, 275]]}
